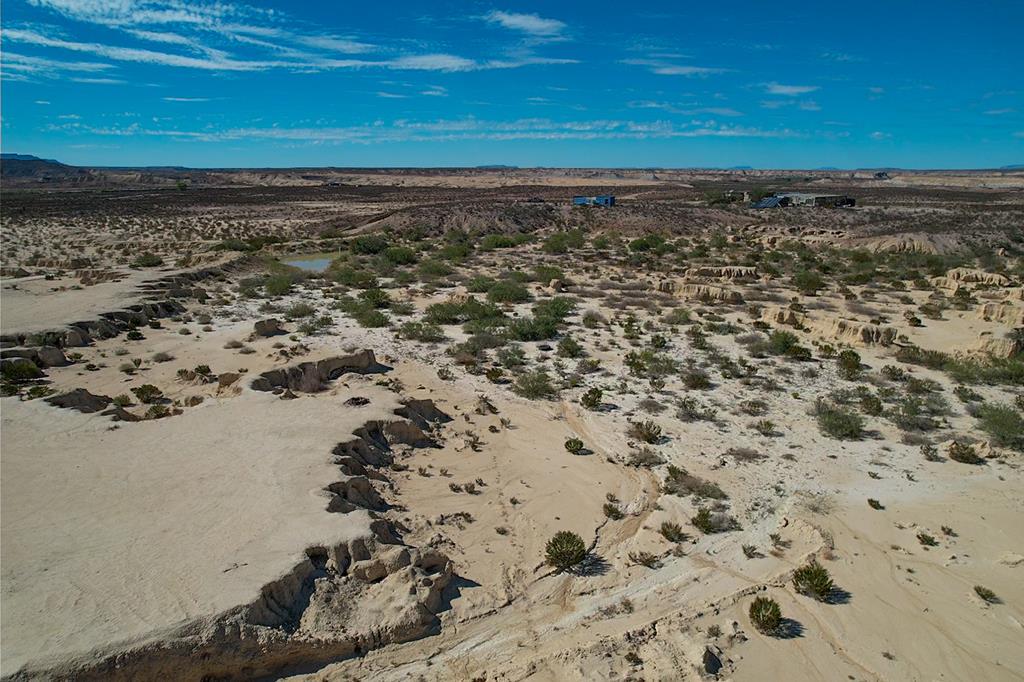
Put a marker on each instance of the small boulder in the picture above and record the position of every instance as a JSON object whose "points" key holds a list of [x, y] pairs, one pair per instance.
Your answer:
{"points": [[80, 399], [268, 327], [51, 356]]}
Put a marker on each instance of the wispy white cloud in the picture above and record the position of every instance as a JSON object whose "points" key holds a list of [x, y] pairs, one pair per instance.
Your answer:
{"points": [[684, 110], [531, 24], [804, 105], [19, 62], [450, 130], [879, 135], [100, 81], [391, 95], [185, 99], [774, 88], [236, 37], [663, 68], [999, 112], [435, 91]]}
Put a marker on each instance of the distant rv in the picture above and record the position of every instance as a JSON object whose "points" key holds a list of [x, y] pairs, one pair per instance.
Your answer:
{"points": [[599, 200]]}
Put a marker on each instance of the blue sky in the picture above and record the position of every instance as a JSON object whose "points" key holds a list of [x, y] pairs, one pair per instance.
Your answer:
{"points": [[800, 85]]}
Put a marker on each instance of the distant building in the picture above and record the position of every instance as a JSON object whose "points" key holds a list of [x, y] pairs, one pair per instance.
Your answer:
{"points": [[783, 199], [599, 200]]}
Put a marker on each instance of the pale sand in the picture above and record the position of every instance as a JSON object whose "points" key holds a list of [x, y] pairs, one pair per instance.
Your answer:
{"points": [[114, 535]]}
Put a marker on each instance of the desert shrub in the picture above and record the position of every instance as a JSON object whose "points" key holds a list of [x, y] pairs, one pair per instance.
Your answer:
{"points": [[277, 285], [148, 260], [963, 453], [568, 347], [502, 241], [709, 522], [690, 410], [508, 292], [421, 331], [480, 284], [561, 242], [781, 342], [298, 310], [565, 550], [532, 329], [511, 356], [434, 269], [645, 431], [557, 308], [1003, 424], [695, 378], [122, 400], [460, 312], [368, 244], [400, 255], [836, 422], [351, 276], [967, 395], [613, 512], [986, 594], [766, 615], [593, 319], [534, 385], [546, 273], [808, 282], [848, 363], [645, 457], [672, 532], [148, 393], [370, 318], [680, 482], [913, 413], [20, 371], [592, 398], [677, 316], [574, 446], [813, 580]]}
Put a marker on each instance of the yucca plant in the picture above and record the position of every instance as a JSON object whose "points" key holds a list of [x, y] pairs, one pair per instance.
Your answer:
{"points": [[565, 550], [813, 580], [766, 615]]}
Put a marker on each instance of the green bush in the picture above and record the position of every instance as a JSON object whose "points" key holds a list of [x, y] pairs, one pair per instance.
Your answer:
{"points": [[835, 422], [781, 342], [1003, 424], [646, 431], [808, 282], [565, 550], [672, 532], [592, 398], [508, 292], [574, 446], [17, 371], [569, 347], [813, 580], [300, 309], [562, 242], [848, 362], [400, 255], [148, 260], [277, 285], [532, 329], [422, 331], [534, 385], [709, 522], [766, 615], [148, 393], [459, 312], [368, 244]]}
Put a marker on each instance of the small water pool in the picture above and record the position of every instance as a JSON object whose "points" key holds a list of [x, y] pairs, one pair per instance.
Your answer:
{"points": [[310, 262]]}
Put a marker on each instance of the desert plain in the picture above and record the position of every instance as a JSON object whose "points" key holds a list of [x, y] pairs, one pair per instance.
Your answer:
{"points": [[411, 424]]}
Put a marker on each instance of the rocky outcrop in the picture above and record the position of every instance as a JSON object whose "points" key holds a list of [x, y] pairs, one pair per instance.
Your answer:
{"points": [[1004, 312], [312, 377], [831, 328], [733, 272], [972, 276], [269, 327], [339, 601], [700, 292], [81, 400]]}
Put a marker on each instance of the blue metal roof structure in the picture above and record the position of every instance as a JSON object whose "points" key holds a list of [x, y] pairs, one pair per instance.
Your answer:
{"points": [[768, 202]]}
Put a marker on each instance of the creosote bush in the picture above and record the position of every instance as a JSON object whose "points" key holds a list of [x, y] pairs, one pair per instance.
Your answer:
{"points": [[813, 580], [535, 385], [565, 550], [646, 431]]}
